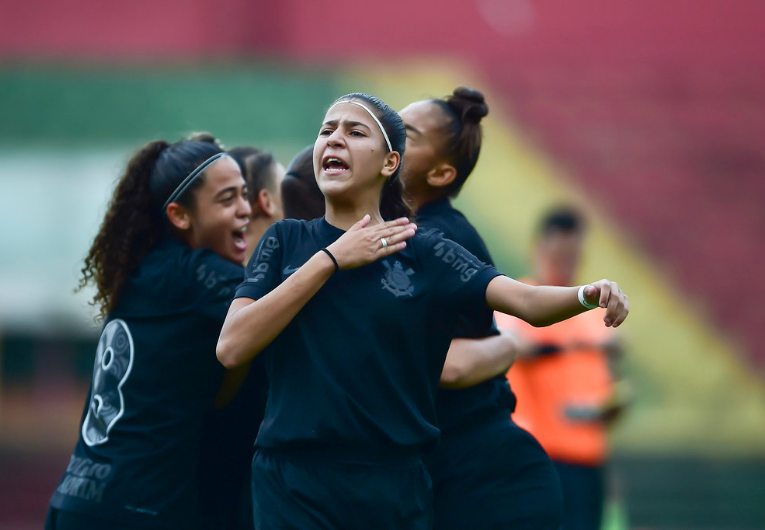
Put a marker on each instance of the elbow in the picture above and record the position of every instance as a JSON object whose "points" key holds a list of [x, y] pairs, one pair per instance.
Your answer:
{"points": [[226, 356], [453, 375]]}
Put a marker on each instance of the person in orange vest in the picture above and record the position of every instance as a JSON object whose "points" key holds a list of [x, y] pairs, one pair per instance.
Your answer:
{"points": [[564, 377]]}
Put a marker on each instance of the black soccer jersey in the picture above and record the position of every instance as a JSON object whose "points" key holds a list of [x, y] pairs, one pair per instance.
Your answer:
{"points": [[460, 408], [357, 369], [155, 377]]}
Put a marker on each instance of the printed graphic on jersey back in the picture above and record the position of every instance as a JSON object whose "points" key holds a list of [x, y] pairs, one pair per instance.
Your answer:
{"points": [[114, 360]]}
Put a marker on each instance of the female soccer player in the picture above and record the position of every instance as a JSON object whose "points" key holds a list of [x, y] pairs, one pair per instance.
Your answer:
{"points": [[487, 472], [165, 263], [354, 318]]}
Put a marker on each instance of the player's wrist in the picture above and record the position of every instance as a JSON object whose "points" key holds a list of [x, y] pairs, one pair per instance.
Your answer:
{"points": [[582, 300]]}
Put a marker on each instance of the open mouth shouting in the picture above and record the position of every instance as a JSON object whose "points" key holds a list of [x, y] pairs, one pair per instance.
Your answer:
{"points": [[333, 165], [240, 239]]}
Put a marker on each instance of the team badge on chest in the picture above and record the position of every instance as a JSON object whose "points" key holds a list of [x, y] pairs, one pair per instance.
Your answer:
{"points": [[397, 280]]}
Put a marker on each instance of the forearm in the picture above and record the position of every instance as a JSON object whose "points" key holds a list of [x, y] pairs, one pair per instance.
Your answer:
{"points": [[537, 305], [473, 361], [250, 327]]}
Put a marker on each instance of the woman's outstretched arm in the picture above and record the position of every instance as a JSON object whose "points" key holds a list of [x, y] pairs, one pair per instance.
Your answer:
{"points": [[544, 305], [251, 325]]}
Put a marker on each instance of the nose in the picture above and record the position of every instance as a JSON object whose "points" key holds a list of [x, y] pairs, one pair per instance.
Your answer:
{"points": [[244, 209], [335, 139]]}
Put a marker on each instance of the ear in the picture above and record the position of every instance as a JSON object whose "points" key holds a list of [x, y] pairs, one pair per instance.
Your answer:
{"points": [[179, 216], [392, 161], [265, 203], [442, 175]]}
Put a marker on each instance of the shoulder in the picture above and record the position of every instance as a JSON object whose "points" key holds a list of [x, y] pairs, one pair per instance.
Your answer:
{"points": [[212, 276]]}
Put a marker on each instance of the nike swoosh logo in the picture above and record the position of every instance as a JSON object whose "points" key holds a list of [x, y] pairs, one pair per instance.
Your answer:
{"points": [[289, 270]]}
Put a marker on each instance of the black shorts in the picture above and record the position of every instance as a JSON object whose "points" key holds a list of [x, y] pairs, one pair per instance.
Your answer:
{"points": [[494, 475], [294, 491]]}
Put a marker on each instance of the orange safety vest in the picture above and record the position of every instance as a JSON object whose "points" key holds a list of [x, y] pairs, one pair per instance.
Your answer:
{"points": [[550, 387]]}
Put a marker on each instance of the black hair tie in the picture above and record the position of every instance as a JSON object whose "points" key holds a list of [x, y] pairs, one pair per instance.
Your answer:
{"points": [[337, 267]]}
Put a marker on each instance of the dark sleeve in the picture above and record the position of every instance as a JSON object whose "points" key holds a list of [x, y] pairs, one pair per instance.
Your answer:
{"points": [[216, 280], [458, 277], [262, 273]]}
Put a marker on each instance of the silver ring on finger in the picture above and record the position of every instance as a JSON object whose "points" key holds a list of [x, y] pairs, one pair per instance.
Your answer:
{"points": [[384, 242]]}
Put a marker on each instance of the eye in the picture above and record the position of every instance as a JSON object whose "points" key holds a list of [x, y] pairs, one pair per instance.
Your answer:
{"points": [[325, 132], [357, 133]]}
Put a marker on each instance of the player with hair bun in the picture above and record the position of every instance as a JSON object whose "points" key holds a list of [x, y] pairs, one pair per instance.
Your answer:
{"points": [[165, 264], [487, 472]]}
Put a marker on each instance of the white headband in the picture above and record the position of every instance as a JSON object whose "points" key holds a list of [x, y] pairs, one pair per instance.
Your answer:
{"points": [[385, 135]]}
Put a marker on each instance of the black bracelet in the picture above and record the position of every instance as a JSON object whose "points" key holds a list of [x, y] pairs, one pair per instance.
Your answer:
{"points": [[337, 267]]}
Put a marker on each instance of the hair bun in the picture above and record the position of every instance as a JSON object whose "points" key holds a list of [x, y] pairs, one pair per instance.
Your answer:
{"points": [[205, 137], [469, 103]]}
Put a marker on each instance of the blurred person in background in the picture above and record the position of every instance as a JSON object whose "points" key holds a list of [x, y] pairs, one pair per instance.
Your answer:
{"points": [[565, 377], [264, 177], [301, 195], [487, 472], [354, 339], [165, 264]]}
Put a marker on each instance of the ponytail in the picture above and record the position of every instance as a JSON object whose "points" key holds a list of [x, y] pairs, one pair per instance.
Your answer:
{"points": [[465, 109], [128, 231]]}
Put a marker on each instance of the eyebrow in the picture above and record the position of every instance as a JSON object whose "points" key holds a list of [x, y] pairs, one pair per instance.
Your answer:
{"points": [[347, 123], [412, 128], [226, 190]]}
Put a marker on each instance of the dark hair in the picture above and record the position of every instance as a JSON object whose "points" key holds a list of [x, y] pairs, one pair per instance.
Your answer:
{"points": [[256, 166], [566, 219], [392, 203], [134, 220], [464, 108], [301, 196]]}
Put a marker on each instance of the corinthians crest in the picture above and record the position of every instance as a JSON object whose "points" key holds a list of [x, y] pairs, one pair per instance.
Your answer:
{"points": [[396, 279]]}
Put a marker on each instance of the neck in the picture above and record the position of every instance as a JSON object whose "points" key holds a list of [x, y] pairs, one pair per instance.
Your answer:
{"points": [[416, 200], [344, 215]]}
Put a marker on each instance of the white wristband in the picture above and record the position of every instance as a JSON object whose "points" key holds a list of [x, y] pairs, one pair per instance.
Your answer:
{"points": [[582, 301]]}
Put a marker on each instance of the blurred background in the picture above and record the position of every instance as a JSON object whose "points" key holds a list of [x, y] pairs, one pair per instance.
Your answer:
{"points": [[649, 114]]}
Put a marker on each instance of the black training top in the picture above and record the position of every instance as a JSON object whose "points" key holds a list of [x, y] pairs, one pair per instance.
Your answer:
{"points": [[154, 380], [462, 408], [357, 369]]}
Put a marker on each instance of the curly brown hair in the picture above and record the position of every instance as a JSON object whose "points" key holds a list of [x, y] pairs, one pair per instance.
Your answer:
{"points": [[134, 221]]}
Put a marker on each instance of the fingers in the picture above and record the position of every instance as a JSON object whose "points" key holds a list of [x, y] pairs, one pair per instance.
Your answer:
{"points": [[616, 304], [364, 221], [605, 293], [397, 241]]}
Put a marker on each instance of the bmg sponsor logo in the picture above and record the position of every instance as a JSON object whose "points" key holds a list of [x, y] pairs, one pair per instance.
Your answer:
{"points": [[260, 266], [456, 259]]}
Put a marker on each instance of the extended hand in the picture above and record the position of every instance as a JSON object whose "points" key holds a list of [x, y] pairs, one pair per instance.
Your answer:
{"points": [[607, 294], [362, 244]]}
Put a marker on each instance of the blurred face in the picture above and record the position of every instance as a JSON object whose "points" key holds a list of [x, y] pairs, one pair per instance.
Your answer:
{"points": [[558, 255], [349, 154], [221, 213], [424, 122]]}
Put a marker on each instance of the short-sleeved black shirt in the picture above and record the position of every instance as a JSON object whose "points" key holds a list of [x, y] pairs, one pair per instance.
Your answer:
{"points": [[463, 407], [155, 378], [358, 367]]}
